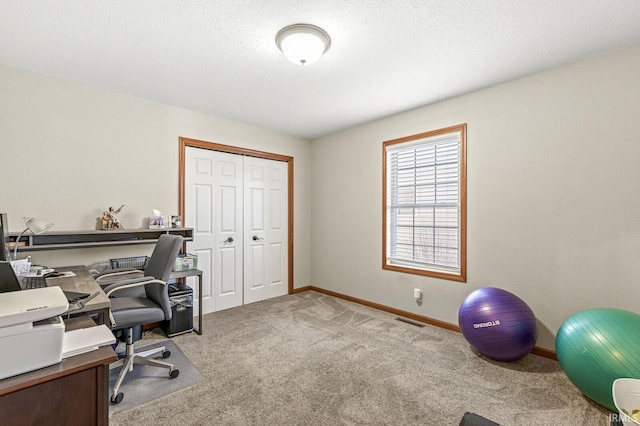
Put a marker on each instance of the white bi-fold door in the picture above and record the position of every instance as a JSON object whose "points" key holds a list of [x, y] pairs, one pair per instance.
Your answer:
{"points": [[237, 206], [265, 229]]}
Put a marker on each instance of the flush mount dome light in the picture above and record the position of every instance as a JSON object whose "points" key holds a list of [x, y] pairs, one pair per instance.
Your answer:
{"points": [[303, 44]]}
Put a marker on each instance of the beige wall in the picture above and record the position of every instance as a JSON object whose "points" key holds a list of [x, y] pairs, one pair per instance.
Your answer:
{"points": [[553, 183], [70, 151], [553, 196]]}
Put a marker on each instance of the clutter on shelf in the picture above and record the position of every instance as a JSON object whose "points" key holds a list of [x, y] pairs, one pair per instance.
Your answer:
{"points": [[110, 221], [156, 221]]}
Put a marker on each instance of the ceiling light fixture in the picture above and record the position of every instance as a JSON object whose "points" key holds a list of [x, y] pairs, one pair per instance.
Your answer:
{"points": [[303, 44]]}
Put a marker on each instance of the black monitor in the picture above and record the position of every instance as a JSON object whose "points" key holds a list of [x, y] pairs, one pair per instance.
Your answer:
{"points": [[8, 279], [4, 238]]}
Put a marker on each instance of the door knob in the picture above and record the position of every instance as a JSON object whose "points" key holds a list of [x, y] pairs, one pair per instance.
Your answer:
{"points": [[228, 240], [256, 238]]}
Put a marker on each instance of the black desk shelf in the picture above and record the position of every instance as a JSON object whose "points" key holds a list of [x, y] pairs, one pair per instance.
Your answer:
{"points": [[80, 239]]}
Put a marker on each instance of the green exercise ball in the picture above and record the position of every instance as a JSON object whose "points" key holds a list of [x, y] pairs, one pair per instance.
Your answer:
{"points": [[596, 347]]}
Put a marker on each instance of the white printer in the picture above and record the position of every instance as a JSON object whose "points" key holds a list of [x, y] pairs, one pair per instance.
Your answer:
{"points": [[31, 329]]}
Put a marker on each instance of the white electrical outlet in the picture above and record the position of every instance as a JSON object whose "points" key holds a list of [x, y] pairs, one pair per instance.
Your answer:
{"points": [[417, 293]]}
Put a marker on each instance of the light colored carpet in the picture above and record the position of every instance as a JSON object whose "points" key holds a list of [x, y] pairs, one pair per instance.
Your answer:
{"points": [[311, 359], [146, 383]]}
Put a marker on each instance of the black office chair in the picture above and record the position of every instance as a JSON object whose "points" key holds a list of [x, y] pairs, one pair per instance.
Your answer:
{"points": [[143, 300]]}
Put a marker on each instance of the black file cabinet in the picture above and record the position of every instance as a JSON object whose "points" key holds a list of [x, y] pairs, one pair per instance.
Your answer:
{"points": [[181, 298]]}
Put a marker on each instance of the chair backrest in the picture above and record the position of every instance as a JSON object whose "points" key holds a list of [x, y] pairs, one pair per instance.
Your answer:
{"points": [[159, 266], [163, 257]]}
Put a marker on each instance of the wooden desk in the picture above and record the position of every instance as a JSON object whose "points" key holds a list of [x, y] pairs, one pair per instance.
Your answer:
{"points": [[192, 273], [83, 282], [73, 392]]}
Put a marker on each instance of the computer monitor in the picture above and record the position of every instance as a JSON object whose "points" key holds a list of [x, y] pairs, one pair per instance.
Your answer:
{"points": [[4, 238], [8, 279]]}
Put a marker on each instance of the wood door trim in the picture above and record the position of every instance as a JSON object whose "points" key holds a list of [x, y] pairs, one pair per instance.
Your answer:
{"points": [[212, 146]]}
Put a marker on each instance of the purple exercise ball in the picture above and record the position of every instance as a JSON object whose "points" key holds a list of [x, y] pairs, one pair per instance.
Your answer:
{"points": [[498, 324]]}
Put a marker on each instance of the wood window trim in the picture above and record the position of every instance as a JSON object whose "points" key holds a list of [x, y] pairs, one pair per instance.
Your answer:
{"points": [[212, 146], [462, 275]]}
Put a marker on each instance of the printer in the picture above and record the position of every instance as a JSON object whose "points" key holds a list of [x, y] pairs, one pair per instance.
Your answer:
{"points": [[31, 329]]}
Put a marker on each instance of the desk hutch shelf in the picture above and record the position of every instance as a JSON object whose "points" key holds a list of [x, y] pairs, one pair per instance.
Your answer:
{"points": [[81, 239]]}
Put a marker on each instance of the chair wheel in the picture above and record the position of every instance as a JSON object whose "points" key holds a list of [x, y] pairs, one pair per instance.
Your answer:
{"points": [[174, 373], [117, 399], [166, 354]]}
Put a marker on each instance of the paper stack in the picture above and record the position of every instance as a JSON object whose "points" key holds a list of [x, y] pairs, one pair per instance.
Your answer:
{"points": [[83, 340]]}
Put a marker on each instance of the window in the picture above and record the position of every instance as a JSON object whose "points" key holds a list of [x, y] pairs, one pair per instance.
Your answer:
{"points": [[424, 199]]}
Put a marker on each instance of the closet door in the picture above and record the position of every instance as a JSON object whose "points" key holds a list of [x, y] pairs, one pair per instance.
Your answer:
{"points": [[238, 207], [265, 229], [227, 210], [213, 208]]}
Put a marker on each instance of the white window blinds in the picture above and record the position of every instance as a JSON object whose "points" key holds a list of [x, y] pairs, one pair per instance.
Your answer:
{"points": [[423, 205]]}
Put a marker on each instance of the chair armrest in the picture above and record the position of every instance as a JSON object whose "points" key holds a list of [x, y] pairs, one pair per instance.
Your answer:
{"points": [[116, 274], [131, 283]]}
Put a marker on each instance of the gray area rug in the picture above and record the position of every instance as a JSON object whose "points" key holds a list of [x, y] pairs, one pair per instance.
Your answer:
{"points": [[311, 359], [147, 383]]}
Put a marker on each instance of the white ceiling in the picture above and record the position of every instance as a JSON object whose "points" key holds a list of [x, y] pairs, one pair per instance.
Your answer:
{"points": [[386, 56]]}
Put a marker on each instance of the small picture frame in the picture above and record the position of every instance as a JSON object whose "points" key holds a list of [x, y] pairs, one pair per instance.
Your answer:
{"points": [[176, 221]]}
